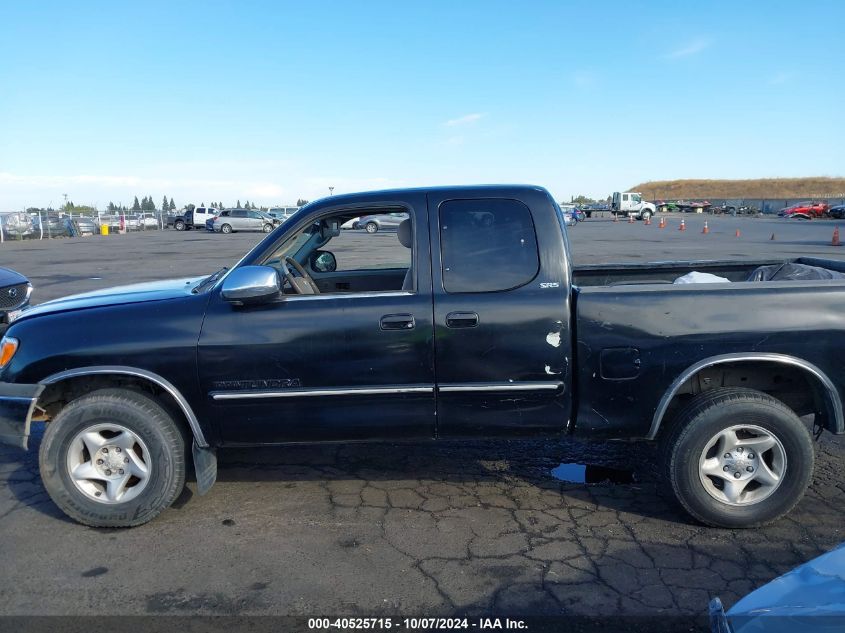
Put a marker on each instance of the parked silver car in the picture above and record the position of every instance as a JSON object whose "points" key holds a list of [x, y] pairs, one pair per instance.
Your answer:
{"points": [[231, 220], [86, 224], [375, 223], [16, 225]]}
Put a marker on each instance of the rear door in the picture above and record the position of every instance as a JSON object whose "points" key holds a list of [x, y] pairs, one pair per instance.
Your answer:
{"points": [[239, 220], [501, 314]]}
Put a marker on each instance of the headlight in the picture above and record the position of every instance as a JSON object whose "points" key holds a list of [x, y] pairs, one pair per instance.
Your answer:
{"points": [[8, 347]]}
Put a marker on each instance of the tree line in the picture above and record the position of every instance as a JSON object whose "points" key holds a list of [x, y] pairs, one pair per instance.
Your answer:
{"points": [[146, 204]]}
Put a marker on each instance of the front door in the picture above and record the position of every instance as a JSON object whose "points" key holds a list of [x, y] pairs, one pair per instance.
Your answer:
{"points": [[502, 334], [335, 366]]}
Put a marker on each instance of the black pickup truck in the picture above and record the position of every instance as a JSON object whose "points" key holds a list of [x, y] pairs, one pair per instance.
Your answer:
{"points": [[468, 321]]}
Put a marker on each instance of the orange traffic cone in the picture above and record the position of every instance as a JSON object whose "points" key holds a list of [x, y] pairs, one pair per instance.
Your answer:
{"points": [[835, 240], [737, 232], [683, 226], [630, 219], [662, 224], [772, 238], [648, 220], [706, 229]]}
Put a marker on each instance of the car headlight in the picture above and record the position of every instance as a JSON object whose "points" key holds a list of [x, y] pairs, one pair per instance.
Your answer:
{"points": [[8, 347]]}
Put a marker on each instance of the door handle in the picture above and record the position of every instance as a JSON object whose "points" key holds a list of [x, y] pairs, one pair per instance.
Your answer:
{"points": [[397, 322], [461, 319]]}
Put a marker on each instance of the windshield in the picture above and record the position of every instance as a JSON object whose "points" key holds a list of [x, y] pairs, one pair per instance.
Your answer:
{"points": [[295, 244]]}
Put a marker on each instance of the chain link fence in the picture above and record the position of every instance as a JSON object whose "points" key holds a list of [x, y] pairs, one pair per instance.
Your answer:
{"points": [[20, 225]]}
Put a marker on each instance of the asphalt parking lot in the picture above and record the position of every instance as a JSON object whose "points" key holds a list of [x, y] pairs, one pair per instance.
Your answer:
{"points": [[429, 529]]}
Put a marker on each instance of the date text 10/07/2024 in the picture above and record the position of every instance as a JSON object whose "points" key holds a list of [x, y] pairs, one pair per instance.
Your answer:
{"points": [[387, 624]]}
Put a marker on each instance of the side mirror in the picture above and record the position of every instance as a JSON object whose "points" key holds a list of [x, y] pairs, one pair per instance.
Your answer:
{"points": [[251, 284], [323, 262]]}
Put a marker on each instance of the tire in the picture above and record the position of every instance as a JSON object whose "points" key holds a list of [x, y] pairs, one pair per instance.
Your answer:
{"points": [[645, 215], [753, 416], [267, 228], [179, 225], [226, 228], [145, 431], [371, 227]]}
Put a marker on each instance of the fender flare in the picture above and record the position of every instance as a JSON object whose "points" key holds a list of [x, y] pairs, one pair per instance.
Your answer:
{"points": [[834, 402], [103, 370]]}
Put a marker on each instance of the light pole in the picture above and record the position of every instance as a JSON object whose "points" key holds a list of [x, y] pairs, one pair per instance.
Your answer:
{"points": [[331, 191]]}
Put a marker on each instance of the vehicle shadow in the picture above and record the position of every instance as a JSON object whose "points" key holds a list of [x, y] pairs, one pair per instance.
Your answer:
{"points": [[615, 477], [511, 463]]}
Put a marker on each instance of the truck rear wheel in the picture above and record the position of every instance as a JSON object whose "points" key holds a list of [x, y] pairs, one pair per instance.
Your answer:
{"points": [[113, 458], [179, 225], [738, 458]]}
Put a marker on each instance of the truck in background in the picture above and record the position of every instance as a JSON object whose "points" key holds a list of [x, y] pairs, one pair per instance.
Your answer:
{"points": [[190, 218], [630, 203]]}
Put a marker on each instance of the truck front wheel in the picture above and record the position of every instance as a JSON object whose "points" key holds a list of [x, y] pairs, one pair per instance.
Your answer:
{"points": [[113, 458], [738, 458], [645, 215]]}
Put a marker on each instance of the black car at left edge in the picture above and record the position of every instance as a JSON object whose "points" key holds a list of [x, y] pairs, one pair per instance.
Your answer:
{"points": [[15, 291]]}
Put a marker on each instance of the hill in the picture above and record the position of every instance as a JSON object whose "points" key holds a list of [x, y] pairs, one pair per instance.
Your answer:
{"points": [[820, 187]]}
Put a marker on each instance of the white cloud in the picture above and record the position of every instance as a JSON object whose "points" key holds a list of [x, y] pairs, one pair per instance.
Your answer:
{"points": [[318, 186], [467, 119], [265, 191], [17, 190], [693, 47]]}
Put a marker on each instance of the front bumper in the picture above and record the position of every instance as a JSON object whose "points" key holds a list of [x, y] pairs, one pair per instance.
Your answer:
{"points": [[17, 403]]}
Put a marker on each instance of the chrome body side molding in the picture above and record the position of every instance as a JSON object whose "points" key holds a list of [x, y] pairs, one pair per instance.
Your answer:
{"points": [[499, 386], [332, 391]]}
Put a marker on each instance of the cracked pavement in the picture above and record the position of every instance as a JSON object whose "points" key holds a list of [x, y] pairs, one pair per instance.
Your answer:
{"points": [[470, 528], [413, 529]]}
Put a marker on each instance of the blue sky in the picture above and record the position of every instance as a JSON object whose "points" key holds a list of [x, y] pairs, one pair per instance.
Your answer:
{"points": [[271, 101]]}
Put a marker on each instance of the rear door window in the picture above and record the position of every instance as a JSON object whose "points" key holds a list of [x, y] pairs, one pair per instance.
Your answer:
{"points": [[487, 245]]}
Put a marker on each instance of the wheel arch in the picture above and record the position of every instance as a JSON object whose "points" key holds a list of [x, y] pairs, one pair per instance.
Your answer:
{"points": [[141, 375], [821, 383]]}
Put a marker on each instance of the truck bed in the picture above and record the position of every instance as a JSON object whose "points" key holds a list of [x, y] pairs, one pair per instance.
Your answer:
{"points": [[666, 272], [635, 332]]}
